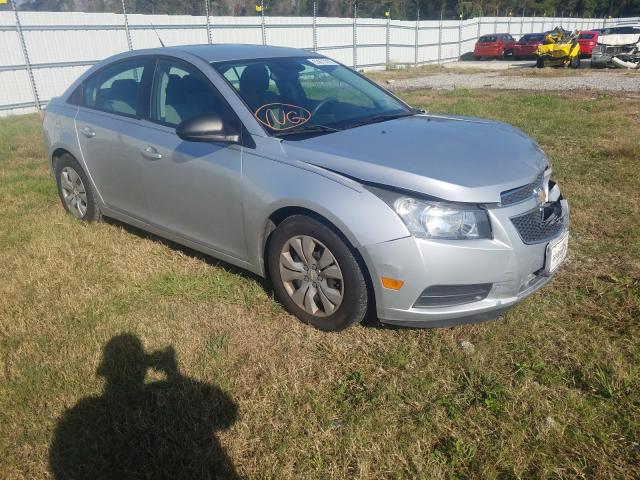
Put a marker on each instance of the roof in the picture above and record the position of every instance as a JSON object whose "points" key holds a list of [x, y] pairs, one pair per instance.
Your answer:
{"points": [[226, 52]]}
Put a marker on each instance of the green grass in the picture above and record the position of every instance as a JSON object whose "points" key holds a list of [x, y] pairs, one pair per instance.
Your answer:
{"points": [[120, 349]]}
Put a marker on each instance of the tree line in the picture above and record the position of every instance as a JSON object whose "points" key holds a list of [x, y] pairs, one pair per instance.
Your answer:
{"points": [[397, 9]]}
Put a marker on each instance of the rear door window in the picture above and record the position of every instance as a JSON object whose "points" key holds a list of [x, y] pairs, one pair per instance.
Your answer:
{"points": [[488, 38], [116, 88]]}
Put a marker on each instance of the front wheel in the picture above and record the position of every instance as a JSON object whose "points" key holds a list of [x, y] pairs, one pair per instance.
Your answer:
{"points": [[540, 62], [316, 275], [575, 62]]}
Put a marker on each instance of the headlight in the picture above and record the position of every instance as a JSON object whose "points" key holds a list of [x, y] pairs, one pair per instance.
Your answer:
{"points": [[598, 49], [437, 220]]}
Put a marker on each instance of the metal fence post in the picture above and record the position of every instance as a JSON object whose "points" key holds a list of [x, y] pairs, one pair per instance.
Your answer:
{"points": [[25, 53], [460, 37], [415, 39], [315, 29], [522, 22], [388, 41], [495, 24], [262, 24], [440, 39], [126, 26], [206, 11], [479, 27], [355, 35]]}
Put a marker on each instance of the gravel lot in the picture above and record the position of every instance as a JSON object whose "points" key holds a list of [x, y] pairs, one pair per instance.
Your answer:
{"points": [[607, 80]]}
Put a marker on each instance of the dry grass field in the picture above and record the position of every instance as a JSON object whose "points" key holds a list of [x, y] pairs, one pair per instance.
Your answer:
{"points": [[119, 348]]}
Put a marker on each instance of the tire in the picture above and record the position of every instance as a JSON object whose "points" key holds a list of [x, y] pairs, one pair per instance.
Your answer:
{"points": [[302, 287], [503, 55], [575, 62], [75, 191], [540, 62]]}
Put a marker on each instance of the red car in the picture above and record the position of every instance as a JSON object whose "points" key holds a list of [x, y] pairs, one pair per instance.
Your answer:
{"points": [[527, 45], [587, 41], [496, 45]]}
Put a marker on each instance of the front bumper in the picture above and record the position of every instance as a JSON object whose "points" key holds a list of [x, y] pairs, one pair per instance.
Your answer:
{"points": [[514, 269], [600, 60]]}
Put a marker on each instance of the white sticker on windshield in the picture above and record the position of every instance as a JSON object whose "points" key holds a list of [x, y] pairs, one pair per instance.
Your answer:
{"points": [[322, 61]]}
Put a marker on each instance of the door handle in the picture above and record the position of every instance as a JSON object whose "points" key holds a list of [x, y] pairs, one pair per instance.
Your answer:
{"points": [[151, 153], [87, 132]]}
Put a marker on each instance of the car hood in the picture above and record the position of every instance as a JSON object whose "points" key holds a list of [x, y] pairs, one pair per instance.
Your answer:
{"points": [[454, 158], [619, 39]]}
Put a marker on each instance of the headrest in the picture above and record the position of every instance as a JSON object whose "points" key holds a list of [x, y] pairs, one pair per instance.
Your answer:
{"points": [[124, 88], [254, 78]]}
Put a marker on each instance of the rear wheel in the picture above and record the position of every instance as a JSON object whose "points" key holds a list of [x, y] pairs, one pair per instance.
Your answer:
{"points": [[575, 62], [540, 62], [316, 275], [75, 191]]}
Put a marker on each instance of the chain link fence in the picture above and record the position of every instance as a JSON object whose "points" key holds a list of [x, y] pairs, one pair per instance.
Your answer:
{"points": [[45, 51]]}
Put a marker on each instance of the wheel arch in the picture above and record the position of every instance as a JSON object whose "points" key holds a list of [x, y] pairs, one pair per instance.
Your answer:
{"points": [[57, 153], [282, 213]]}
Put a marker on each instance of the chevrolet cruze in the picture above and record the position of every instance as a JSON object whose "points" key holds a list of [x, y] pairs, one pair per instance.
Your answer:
{"points": [[293, 166]]}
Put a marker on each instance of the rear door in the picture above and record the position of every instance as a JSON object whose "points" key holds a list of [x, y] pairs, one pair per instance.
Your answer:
{"points": [[193, 189], [107, 124], [509, 42]]}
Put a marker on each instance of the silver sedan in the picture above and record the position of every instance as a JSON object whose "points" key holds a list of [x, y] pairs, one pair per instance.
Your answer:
{"points": [[293, 166]]}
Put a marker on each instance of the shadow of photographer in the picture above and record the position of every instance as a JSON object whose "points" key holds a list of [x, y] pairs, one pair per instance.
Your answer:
{"points": [[163, 429]]}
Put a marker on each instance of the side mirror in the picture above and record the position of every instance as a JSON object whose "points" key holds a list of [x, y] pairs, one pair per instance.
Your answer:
{"points": [[207, 127]]}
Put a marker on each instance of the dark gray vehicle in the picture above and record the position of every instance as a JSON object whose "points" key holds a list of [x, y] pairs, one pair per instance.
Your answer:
{"points": [[292, 166]]}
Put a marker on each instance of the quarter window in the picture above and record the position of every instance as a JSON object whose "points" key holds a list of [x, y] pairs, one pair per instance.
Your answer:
{"points": [[116, 88]]}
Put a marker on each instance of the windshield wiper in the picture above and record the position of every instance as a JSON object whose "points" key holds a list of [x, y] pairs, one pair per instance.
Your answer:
{"points": [[383, 117], [306, 130]]}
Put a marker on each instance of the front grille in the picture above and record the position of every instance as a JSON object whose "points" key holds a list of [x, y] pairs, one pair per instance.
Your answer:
{"points": [[523, 193], [451, 295], [541, 224], [619, 49]]}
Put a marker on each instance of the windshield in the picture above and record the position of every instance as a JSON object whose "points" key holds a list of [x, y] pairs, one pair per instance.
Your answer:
{"points": [[630, 30], [586, 36], [292, 94]]}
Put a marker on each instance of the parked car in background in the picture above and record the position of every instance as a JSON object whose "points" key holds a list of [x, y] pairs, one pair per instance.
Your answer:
{"points": [[560, 48], [527, 45], [615, 40], [496, 45], [587, 40]]}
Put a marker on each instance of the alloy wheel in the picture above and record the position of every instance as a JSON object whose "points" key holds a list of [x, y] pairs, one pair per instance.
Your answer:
{"points": [[311, 275], [74, 193]]}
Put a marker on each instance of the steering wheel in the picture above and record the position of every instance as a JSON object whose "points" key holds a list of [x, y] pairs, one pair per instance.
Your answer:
{"points": [[322, 104]]}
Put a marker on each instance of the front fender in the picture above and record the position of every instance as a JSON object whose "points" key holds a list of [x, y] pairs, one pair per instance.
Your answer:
{"points": [[271, 185]]}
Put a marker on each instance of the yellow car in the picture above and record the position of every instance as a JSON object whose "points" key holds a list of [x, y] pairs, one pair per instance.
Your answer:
{"points": [[560, 48]]}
